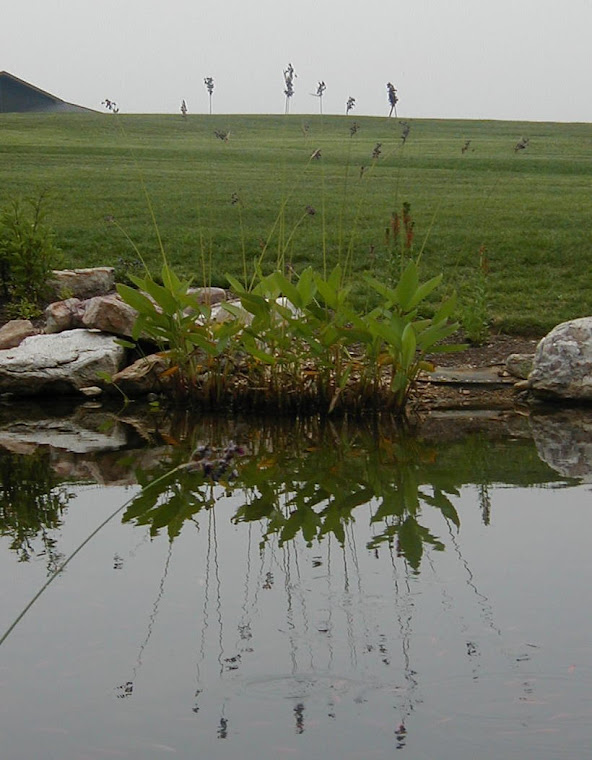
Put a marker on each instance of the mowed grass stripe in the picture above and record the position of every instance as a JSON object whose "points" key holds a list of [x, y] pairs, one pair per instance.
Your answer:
{"points": [[530, 209]]}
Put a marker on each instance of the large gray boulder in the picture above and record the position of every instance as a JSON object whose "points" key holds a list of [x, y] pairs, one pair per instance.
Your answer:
{"points": [[563, 362], [60, 363]]}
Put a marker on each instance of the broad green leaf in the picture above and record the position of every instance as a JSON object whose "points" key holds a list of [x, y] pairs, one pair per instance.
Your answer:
{"points": [[163, 296], [428, 338], [256, 305], [136, 300], [389, 294], [288, 289], [236, 286], [446, 310], [424, 290], [335, 278], [199, 340], [407, 287], [327, 292], [258, 353], [125, 343], [408, 346], [238, 312], [306, 286]]}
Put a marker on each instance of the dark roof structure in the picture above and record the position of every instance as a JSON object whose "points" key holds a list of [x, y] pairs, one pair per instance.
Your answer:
{"points": [[17, 96]]}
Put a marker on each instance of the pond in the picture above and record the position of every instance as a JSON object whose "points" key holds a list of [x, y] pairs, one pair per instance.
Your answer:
{"points": [[295, 590]]}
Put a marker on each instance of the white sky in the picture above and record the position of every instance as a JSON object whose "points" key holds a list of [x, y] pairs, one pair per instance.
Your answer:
{"points": [[486, 59]]}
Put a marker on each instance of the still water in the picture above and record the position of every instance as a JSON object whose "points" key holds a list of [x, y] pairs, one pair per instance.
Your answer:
{"points": [[297, 592]]}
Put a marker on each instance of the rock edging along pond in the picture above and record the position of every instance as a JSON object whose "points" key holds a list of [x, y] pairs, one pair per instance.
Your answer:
{"points": [[80, 350]]}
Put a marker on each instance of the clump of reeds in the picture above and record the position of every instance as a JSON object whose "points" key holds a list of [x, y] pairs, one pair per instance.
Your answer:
{"points": [[292, 345]]}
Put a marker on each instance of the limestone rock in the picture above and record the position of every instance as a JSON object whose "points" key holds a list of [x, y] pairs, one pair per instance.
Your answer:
{"points": [[563, 361], [520, 365], [92, 391], [209, 295], [14, 332], [83, 283], [64, 315], [60, 363], [110, 314], [143, 376]]}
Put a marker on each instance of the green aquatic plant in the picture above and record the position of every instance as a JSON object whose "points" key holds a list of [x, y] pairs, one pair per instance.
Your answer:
{"points": [[294, 345], [171, 316], [402, 336]]}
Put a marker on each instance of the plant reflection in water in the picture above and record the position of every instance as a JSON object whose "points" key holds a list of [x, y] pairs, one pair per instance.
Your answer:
{"points": [[32, 504], [309, 487], [310, 490]]}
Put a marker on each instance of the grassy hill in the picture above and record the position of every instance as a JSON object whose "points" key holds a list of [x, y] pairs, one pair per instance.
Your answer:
{"points": [[219, 205]]}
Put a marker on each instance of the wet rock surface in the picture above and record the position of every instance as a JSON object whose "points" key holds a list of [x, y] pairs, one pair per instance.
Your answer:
{"points": [[59, 363]]}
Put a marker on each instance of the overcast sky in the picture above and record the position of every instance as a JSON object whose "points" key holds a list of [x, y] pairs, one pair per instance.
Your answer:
{"points": [[484, 59]]}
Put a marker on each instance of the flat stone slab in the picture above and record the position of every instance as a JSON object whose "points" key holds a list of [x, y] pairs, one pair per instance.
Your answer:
{"points": [[467, 376]]}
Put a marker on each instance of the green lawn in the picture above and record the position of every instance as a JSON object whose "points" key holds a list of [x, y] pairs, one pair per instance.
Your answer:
{"points": [[531, 210]]}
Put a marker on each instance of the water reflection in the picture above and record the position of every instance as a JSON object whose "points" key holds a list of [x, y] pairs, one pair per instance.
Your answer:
{"points": [[304, 479], [292, 575], [32, 504], [313, 480], [564, 441], [308, 490]]}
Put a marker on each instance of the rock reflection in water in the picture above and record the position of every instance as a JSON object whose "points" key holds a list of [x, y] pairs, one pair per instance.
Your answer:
{"points": [[564, 441]]}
